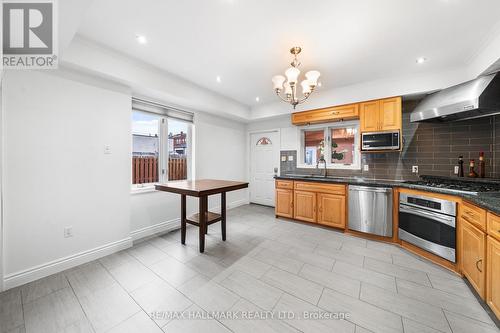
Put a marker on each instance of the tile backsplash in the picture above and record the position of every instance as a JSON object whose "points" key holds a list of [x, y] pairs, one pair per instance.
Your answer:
{"points": [[434, 147]]}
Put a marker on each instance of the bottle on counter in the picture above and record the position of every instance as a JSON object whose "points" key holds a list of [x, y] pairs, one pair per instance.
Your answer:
{"points": [[472, 173], [482, 165], [460, 166]]}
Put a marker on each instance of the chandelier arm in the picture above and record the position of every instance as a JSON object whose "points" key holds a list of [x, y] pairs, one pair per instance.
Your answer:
{"points": [[281, 97], [304, 99]]}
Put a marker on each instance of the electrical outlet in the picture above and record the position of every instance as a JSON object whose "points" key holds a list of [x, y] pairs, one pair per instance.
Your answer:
{"points": [[107, 149], [290, 158], [366, 167], [414, 169], [283, 158], [456, 170], [68, 232]]}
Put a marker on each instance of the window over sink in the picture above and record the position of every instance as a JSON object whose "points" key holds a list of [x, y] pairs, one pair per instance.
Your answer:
{"points": [[336, 143]]}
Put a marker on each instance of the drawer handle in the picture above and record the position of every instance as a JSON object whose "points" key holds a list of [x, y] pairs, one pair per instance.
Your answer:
{"points": [[335, 112], [477, 265]]}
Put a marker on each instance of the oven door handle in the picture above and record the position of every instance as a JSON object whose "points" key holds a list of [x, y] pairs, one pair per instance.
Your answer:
{"points": [[448, 220]]}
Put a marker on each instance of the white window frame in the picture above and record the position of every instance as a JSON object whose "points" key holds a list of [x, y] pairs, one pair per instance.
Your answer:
{"points": [[356, 165], [163, 154]]}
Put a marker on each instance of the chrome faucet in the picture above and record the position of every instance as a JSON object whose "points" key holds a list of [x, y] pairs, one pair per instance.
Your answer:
{"points": [[321, 160]]}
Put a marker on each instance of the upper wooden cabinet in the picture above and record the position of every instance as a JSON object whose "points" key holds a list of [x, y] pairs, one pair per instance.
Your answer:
{"points": [[331, 210], [375, 116], [345, 112], [370, 116], [472, 254], [381, 115]]}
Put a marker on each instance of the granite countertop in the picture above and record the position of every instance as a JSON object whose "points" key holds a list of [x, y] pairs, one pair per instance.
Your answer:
{"points": [[489, 201]]}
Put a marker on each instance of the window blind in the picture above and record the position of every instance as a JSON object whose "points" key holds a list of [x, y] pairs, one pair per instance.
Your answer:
{"points": [[147, 106]]}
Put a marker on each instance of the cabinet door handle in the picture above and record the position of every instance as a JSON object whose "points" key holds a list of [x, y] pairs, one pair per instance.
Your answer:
{"points": [[477, 265], [291, 204]]}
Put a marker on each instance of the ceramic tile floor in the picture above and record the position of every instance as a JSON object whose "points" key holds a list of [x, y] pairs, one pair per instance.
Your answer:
{"points": [[266, 264]]}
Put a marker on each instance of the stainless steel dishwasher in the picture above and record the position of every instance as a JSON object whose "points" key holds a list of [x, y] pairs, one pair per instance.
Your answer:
{"points": [[370, 210]]}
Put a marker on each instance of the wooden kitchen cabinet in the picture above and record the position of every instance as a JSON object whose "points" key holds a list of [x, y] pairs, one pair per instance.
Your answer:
{"points": [[334, 113], [381, 115], [284, 203], [493, 275], [472, 254], [369, 116], [390, 114], [304, 206], [331, 210]]}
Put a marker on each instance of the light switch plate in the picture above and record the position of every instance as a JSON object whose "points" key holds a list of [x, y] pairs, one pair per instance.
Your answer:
{"points": [[290, 158], [107, 149], [283, 158], [456, 170], [366, 167], [414, 169]]}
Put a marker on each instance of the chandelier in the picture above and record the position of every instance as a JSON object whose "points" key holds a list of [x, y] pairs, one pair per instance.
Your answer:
{"points": [[289, 87]]}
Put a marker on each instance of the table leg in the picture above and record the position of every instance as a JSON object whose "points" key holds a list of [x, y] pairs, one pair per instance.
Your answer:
{"points": [[223, 214], [183, 219], [203, 222]]}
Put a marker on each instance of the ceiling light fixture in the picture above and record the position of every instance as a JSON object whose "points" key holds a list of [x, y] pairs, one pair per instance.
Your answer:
{"points": [[257, 99], [421, 60], [141, 39], [290, 86], [218, 79]]}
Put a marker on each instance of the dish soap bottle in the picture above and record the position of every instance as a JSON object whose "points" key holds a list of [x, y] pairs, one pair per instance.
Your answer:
{"points": [[472, 173], [482, 165]]}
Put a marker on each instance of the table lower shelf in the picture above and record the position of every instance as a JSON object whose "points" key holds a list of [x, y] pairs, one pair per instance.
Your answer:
{"points": [[211, 218]]}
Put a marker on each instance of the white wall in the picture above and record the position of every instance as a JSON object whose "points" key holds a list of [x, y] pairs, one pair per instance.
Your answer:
{"points": [[56, 172], [57, 175], [220, 153], [288, 132]]}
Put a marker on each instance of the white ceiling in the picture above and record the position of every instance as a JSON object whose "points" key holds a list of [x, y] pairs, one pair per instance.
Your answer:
{"points": [[246, 42]]}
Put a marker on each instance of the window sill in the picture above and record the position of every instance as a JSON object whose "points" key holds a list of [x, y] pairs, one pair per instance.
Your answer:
{"points": [[143, 189]]}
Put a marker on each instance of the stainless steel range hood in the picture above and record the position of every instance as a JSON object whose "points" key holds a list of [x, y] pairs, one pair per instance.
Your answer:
{"points": [[472, 99]]}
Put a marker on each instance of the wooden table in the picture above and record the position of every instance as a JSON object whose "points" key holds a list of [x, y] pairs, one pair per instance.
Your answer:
{"points": [[202, 189]]}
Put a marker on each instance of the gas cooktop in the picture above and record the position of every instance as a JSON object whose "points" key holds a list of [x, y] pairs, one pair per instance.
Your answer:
{"points": [[465, 186]]}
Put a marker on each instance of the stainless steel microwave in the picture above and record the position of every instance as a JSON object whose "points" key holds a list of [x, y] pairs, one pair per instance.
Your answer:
{"points": [[381, 141]]}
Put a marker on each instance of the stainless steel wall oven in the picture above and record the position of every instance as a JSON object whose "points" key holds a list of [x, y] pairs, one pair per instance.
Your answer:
{"points": [[428, 223]]}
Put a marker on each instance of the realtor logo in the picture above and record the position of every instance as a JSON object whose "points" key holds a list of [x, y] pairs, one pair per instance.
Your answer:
{"points": [[29, 34]]}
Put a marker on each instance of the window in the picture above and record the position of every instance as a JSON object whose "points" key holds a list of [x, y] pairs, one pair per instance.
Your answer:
{"points": [[161, 149], [337, 144]]}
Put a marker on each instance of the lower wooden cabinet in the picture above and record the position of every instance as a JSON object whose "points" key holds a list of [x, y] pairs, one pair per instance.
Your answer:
{"points": [[284, 203], [473, 251], [493, 275], [331, 210], [304, 206]]}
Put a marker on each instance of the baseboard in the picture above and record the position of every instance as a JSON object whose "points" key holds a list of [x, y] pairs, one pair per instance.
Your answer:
{"points": [[231, 205], [152, 230], [56, 266], [59, 265], [174, 224]]}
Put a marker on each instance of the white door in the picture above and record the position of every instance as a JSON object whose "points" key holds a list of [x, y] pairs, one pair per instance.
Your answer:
{"points": [[264, 161]]}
